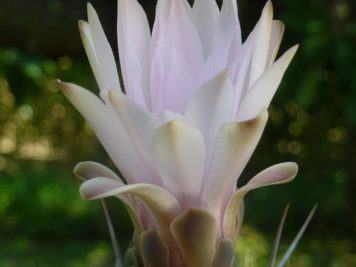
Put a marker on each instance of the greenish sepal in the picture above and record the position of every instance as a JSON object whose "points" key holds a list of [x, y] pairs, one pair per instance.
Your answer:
{"points": [[154, 250], [195, 233]]}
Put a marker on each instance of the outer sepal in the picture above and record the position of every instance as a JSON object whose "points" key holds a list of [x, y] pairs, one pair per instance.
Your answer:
{"points": [[195, 232], [155, 251], [276, 174]]}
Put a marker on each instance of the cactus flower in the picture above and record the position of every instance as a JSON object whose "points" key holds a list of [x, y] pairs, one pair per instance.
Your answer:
{"points": [[183, 126]]}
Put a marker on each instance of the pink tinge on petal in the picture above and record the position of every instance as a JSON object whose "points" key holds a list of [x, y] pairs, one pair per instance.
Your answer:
{"points": [[229, 21], [134, 88], [176, 56], [276, 174], [217, 59], [172, 80], [280, 173], [205, 15], [133, 40], [104, 56], [241, 82], [184, 35]]}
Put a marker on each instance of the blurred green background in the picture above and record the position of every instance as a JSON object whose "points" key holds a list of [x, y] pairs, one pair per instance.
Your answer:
{"points": [[43, 221]]}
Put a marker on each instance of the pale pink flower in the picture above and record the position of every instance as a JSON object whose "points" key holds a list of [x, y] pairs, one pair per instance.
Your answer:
{"points": [[193, 113]]}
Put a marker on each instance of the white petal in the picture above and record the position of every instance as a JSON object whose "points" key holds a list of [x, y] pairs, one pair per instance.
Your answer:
{"points": [[94, 186], [172, 81], [262, 41], [205, 16], [140, 126], [176, 56], [157, 80], [229, 20], [241, 82], [277, 174], [89, 169], [229, 14], [240, 70], [276, 39], [179, 151], [110, 131], [211, 107], [218, 59], [234, 146], [89, 47], [259, 96], [167, 116], [136, 119], [133, 40], [163, 7], [181, 32], [162, 204], [104, 55]]}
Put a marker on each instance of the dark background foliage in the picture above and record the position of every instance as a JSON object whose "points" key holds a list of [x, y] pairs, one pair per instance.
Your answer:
{"points": [[43, 221]]}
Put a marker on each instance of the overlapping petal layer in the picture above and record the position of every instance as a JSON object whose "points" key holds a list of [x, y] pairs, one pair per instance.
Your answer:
{"points": [[194, 110]]}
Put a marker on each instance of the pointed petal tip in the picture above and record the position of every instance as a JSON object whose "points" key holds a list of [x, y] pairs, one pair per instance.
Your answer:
{"points": [[92, 14], [73, 91], [90, 7], [295, 47], [65, 87], [291, 52], [81, 24], [287, 57], [268, 9], [269, 5], [280, 23]]}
